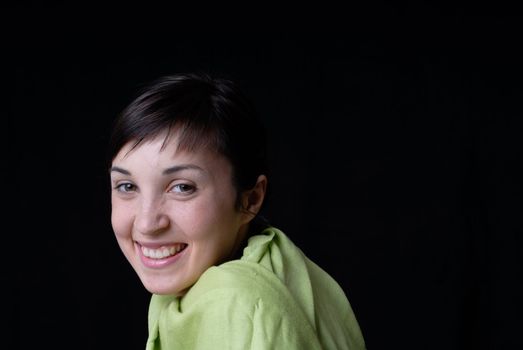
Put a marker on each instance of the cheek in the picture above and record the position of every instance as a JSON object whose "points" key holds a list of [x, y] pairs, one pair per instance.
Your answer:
{"points": [[121, 220], [212, 219]]}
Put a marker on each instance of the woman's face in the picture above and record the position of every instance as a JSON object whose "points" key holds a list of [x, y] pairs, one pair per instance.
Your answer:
{"points": [[174, 213]]}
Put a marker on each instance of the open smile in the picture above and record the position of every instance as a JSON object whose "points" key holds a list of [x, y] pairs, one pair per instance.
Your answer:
{"points": [[161, 256]]}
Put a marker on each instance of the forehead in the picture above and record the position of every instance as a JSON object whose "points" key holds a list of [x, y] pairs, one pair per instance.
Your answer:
{"points": [[164, 149]]}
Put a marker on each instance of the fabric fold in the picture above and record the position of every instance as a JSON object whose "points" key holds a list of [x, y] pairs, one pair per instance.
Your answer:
{"points": [[274, 297]]}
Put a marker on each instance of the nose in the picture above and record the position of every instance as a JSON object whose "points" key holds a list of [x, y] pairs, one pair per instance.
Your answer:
{"points": [[151, 219]]}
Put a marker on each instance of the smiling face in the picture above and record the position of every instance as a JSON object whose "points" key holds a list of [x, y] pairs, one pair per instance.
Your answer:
{"points": [[174, 213]]}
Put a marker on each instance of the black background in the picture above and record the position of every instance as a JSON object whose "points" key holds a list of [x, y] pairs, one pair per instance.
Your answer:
{"points": [[396, 150]]}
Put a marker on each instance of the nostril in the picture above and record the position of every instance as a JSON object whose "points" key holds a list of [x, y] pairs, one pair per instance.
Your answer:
{"points": [[150, 223]]}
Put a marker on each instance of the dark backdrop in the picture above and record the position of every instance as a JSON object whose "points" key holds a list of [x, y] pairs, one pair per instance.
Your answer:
{"points": [[395, 141]]}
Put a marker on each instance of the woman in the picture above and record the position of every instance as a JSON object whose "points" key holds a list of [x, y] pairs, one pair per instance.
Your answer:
{"points": [[189, 177]]}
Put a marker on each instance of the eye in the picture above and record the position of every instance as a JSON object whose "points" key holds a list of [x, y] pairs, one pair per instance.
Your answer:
{"points": [[183, 188], [125, 187]]}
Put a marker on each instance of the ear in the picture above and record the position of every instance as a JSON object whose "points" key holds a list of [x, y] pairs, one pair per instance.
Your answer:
{"points": [[252, 199]]}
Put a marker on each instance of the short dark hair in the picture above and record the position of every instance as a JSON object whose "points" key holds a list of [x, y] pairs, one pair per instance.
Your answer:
{"points": [[207, 112]]}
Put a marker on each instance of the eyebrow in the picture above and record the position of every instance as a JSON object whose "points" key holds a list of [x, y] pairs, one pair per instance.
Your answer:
{"points": [[119, 170], [167, 171], [181, 167]]}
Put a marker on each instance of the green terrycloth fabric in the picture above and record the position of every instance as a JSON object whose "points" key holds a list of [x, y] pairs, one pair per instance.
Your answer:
{"points": [[274, 297]]}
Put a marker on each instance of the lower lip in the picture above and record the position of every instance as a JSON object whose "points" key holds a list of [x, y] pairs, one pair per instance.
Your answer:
{"points": [[159, 263]]}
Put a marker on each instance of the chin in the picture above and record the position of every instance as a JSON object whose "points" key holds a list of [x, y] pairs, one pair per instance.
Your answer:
{"points": [[165, 290]]}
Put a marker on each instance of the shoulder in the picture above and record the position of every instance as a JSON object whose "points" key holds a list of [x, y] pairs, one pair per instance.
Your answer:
{"points": [[245, 284], [237, 305], [248, 279]]}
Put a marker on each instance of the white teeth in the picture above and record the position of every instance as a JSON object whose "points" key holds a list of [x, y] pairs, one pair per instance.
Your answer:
{"points": [[162, 252]]}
